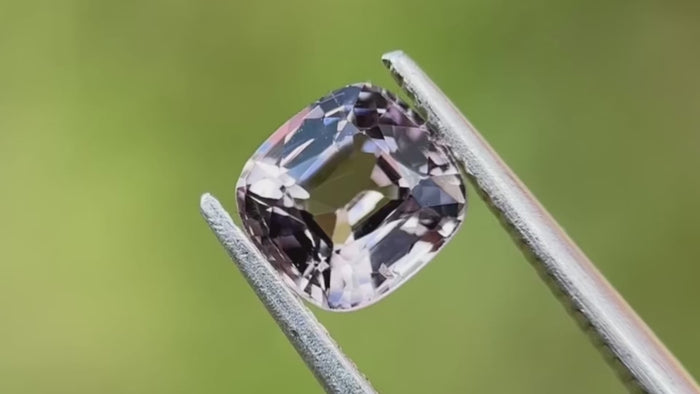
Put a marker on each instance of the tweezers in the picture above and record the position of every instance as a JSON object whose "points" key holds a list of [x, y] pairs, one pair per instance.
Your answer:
{"points": [[642, 361]]}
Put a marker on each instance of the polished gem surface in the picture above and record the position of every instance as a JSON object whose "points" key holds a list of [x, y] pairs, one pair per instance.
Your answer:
{"points": [[351, 197]]}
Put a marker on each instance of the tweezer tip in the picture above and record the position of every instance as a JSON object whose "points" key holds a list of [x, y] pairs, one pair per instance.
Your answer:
{"points": [[209, 206], [390, 58], [206, 200]]}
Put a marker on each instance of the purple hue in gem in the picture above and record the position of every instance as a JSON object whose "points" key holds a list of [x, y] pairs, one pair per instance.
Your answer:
{"points": [[351, 197]]}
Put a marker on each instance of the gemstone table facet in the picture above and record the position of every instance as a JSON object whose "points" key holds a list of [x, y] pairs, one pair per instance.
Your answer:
{"points": [[351, 197]]}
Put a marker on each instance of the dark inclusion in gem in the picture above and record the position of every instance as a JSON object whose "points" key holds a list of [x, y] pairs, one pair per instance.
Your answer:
{"points": [[351, 197]]}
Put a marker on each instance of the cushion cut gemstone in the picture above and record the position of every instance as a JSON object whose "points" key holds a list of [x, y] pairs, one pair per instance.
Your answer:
{"points": [[351, 197]]}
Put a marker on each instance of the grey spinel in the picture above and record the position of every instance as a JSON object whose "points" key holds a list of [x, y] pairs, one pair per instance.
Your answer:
{"points": [[351, 197]]}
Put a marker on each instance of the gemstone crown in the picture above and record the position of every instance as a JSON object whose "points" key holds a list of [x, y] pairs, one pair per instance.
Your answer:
{"points": [[351, 197]]}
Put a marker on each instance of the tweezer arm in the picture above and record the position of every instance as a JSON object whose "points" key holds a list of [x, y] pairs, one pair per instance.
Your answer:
{"points": [[335, 372], [641, 356]]}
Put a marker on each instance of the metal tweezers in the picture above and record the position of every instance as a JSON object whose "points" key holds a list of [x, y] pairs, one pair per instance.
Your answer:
{"points": [[642, 361]]}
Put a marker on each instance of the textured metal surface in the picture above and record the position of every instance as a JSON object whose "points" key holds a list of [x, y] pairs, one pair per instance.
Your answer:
{"points": [[335, 371], [644, 361]]}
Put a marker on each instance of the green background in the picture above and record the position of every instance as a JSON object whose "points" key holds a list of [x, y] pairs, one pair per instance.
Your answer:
{"points": [[116, 115]]}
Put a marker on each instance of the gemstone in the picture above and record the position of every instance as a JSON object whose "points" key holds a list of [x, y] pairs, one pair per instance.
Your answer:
{"points": [[351, 197]]}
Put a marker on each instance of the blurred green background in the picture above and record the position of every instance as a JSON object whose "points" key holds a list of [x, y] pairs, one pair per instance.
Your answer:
{"points": [[116, 115]]}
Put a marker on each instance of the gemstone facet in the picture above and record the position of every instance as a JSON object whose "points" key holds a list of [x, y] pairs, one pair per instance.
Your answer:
{"points": [[351, 197]]}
